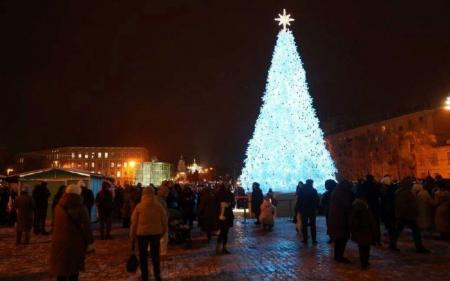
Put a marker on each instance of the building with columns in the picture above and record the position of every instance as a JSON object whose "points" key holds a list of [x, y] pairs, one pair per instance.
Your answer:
{"points": [[416, 144]]}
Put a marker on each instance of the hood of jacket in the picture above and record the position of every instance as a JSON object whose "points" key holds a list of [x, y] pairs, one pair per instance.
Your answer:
{"points": [[70, 200]]}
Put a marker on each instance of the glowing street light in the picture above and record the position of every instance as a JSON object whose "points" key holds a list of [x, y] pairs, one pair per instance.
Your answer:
{"points": [[132, 164], [9, 171], [447, 104]]}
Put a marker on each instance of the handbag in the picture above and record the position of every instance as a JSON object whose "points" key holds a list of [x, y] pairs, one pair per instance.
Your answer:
{"points": [[132, 262]]}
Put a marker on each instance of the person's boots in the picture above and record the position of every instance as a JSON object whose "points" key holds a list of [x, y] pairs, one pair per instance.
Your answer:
{"points": [[305, 236]]}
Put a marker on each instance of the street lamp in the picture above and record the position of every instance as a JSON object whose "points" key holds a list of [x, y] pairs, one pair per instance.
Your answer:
{"points": [[447, 104]]}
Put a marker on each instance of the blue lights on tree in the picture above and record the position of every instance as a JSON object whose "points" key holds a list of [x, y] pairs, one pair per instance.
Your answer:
{"points": [[287, 145]]}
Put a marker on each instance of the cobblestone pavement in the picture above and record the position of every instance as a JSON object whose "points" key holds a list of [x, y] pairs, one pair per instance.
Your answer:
{"points": [[256, 255]]}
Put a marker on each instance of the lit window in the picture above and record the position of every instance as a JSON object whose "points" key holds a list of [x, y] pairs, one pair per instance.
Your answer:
{"points": [[106, 154], [112, 164], [86, 164], [99, 155], [92, 155], [86, 156], [118, 174], [125, 164], [79, 165], [92, 164], [119, 165], [79, 155], [73, 155]]}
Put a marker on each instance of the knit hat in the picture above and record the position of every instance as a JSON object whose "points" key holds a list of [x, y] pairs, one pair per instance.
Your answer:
{"points": [[73, 189]]}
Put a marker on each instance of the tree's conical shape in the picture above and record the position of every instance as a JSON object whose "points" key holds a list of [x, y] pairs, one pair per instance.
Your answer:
{"points": [[287, 145]]}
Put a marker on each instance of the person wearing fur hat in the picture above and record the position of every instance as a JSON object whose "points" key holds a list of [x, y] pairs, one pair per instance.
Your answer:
{"points": [[71, 237], [148, 224], [24, 209]]}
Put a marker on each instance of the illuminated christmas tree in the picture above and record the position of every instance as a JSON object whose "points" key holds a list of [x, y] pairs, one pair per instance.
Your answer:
{"points": [[287, 145]]}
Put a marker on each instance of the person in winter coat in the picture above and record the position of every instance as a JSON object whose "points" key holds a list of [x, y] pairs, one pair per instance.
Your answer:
{"points": [[442, 215], [104, 203], [425, 206], [118, 202], [363, 226], [271, 196], [417, 186], [330, 185], [40, 199], [71, 237], [186, 201], [59, 194], [372, 190], [387, 205], [225, 200], [162, 193], [148, 224], [406, 213], [339, 218], [24, 209], [267, 214], [88, 197], [208, 210], [257, 199], [308, 204], [130, 196], [297, 217]]}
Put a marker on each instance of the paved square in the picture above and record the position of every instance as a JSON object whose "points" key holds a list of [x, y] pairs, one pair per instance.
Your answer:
{"points": [[256, 255]]}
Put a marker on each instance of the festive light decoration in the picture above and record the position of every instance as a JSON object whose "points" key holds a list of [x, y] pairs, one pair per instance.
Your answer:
{"points": [[287, 145], [284, 20]]}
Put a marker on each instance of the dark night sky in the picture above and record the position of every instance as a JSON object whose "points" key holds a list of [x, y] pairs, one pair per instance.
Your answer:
{"points": [[188, 76]]}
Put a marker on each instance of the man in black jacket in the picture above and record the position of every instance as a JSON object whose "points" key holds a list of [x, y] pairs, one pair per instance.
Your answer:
{"points": [[308, 203], [88, 197], [40, 198], [257, 199]]}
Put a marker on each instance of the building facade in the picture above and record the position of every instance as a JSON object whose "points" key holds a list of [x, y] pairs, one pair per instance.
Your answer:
{"points": [[117, 162], [416, 144], [152, 173]]}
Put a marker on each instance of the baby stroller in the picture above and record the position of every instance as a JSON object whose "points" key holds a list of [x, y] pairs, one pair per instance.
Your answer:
{"points": [[179, 232]]}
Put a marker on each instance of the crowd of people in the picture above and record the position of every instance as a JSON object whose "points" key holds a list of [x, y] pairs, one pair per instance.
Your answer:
{"points": [[157, 216], [356, 211]]}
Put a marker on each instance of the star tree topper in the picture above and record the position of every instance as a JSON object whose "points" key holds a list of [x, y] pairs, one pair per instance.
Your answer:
{"points": [[284, 20]]}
